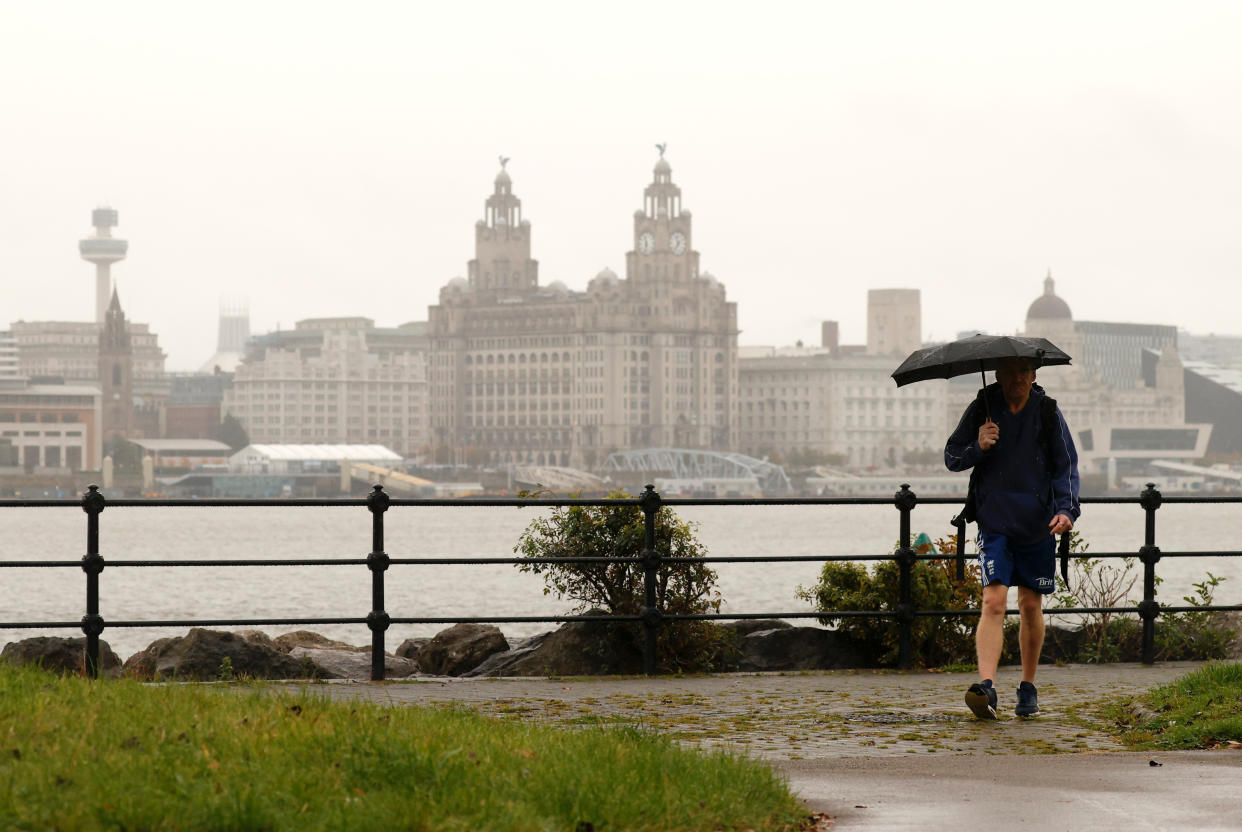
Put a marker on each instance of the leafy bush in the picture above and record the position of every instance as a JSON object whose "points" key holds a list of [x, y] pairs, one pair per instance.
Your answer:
{"points": [[1196, 634], [618, 588], [933, 585]]}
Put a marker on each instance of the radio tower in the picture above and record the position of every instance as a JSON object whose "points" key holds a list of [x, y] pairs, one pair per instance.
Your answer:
{"points": [[103, 250]]}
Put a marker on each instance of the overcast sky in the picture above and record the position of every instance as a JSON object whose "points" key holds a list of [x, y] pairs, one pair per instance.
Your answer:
{"points": [[322, 159]]}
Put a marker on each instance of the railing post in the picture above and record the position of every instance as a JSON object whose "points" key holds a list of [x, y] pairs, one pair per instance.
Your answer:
{"points": [[650, 504], [1149, 608], [377, 620], [92, 565], [905, 500], [959, 522]]}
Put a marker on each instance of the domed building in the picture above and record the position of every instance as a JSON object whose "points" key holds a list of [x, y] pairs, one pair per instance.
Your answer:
{"points": [[1123, 396], [546, 375]]}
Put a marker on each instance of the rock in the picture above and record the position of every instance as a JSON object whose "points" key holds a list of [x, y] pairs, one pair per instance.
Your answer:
{"points": [[353, 664], [746, 626], [410, 647], [799, 648], [257, 637], [61, 655], [305, 638], [460, 648], [1231, 622], [200, 655], [576, 648], [501, 664]]}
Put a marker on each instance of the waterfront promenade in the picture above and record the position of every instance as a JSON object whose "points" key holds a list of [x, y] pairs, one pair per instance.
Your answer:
{"points": [[885, 750]]}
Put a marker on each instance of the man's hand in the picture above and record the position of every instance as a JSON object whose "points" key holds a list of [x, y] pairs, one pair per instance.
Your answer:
{"points": [[989, 434], [1060, 524]]}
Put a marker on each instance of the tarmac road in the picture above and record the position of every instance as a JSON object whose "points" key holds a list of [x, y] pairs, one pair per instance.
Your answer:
{"points": [[1191, 790], [886, 750]]}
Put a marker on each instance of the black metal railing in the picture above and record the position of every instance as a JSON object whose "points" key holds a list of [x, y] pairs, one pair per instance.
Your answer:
{"points": [[378, 620]]}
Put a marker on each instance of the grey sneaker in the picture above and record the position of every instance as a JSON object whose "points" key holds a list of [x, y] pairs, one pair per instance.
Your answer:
{"points": [[1028, 700], [981, 699]]}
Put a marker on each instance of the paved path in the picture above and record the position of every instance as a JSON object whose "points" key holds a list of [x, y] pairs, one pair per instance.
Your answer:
{"points": [[888, 750]]}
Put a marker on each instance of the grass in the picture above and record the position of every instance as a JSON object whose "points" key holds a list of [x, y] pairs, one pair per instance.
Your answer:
{"points": [[1202, 709], [119, 755]]}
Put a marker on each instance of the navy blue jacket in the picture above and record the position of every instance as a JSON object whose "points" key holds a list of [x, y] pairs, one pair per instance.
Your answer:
{"points": [[1017, 491]]}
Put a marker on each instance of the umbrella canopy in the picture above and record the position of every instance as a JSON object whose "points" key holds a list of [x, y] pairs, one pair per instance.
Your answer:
{"points": [[974, 355]]}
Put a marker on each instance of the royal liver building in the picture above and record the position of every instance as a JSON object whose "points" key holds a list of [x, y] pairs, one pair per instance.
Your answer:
{"points": [[551, 376]]}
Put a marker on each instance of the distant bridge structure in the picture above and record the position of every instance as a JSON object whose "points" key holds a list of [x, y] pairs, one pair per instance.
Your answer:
{"points": [[694, 464]]}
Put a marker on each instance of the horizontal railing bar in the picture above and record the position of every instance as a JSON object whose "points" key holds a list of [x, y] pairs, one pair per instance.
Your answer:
{"points": [[232, 622], [494, 502], [238, 562]]}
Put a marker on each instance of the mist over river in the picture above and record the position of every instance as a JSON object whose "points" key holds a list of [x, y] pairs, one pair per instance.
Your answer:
{"points": [[154, 593]]}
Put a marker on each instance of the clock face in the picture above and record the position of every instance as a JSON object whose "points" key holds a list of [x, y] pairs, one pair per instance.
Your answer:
{"points": [[677, 242], [646, 242]]}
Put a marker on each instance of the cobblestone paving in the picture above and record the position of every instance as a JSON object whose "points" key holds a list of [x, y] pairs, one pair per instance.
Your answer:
{"points": [[805, 715]]}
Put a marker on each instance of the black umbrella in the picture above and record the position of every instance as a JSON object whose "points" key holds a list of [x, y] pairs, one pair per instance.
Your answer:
{"points": [[975, 354]]}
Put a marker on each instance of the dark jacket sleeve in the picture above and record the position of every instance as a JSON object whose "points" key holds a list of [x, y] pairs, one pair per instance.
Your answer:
{"points": [[962, 451], [1064, 471]]}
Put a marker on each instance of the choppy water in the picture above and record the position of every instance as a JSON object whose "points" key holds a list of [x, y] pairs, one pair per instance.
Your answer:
{"points": [[28, 594]]}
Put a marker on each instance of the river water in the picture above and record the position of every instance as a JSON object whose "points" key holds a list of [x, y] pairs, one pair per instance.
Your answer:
{"points": [[155, 593]]}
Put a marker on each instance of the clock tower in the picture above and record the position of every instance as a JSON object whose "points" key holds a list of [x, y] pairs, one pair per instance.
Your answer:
{"points": [[662, 249], [502, 261]]}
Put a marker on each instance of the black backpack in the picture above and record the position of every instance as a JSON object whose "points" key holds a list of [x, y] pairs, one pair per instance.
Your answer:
{"points": [[1047, 429]]}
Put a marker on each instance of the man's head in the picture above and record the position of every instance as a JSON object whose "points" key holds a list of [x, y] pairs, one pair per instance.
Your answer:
{"points": [[1015, 376]]}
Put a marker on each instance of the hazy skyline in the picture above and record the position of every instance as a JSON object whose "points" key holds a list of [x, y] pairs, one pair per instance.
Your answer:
{"points": [[318, 162]]}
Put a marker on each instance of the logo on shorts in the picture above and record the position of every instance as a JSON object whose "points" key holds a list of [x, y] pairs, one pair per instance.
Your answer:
{"points": [[1043, 582], [990, 566]]}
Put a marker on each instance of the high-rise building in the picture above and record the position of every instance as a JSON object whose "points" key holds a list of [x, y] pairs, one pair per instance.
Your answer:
{"points": [[542, 374], [894, 322]]}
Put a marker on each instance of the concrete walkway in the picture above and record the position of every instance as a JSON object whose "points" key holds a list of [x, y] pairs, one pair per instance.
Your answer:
{"points": [[889, 750]]}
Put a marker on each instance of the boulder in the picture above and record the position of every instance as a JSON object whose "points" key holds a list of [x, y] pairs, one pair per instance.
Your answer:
{"points": [[746, 626], [61, 655], [460, 648], [798, 648], [576, 648], [200, 655], [257, 637], [353, 664], [305, 638], [410, 647]]}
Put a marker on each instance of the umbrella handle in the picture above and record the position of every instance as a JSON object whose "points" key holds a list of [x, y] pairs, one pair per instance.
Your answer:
{"points": [[987, 411]]}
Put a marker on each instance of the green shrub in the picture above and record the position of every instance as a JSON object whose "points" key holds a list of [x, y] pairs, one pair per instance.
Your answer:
{"points": [[933, 585], [618, 588]]}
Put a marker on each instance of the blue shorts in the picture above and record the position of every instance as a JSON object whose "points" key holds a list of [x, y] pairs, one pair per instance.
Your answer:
{"points": [[1032, 565]]}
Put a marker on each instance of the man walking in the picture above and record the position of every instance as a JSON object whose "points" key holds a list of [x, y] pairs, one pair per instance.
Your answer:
{"points": [[1025, 490]]}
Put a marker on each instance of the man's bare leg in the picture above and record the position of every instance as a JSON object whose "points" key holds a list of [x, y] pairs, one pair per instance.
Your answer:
{"points": [[990, 634], [1030, 631]]}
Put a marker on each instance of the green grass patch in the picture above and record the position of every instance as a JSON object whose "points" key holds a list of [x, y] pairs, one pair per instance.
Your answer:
{"points": [[120, 755], [1202, 709]]}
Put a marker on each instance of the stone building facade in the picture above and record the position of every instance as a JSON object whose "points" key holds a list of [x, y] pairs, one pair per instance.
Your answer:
{"points": [[521, 372], [842, 408], [334, 381]]}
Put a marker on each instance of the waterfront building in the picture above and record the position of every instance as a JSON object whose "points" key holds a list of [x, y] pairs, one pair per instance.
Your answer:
{"points": [[51, 427], [1214, 395], [1124, 414], [10, 370], [1223, 351], [809, 404], [544, 375], [334, 380], [193, 409], [309, 459], [173, 455]]}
